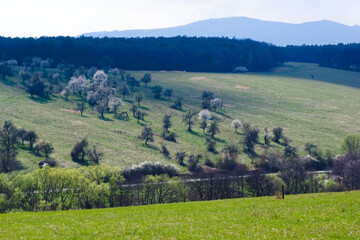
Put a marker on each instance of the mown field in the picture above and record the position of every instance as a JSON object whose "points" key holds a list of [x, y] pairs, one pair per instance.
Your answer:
{"points": [[311, 216], [320, 110]]}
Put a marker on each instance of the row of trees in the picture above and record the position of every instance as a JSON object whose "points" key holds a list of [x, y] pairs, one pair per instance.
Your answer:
{"points": [[102, 186]]}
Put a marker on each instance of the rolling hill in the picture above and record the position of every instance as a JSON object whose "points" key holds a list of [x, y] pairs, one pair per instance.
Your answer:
{"points": [[319, 110], [278, 33]]}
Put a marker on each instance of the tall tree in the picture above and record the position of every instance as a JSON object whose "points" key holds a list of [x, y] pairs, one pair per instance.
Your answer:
{"points": [[125, 91], [188, 119], [147, 135], [139, 97], [167, 122], [81, 106], [31, 137], [114, 104], [146, 79], [79, 150], [213, 128], [168, 93], [157, 91], [8, 152]]}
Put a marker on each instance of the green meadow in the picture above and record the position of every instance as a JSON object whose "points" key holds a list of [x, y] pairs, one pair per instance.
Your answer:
{"points": [[311, 216], [322, 110]]}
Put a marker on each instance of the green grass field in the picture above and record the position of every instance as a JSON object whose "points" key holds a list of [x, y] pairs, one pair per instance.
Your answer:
{"points": [[312, 216], [322, 111]]}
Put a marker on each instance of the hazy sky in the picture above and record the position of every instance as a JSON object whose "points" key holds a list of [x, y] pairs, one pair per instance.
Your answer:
{"points": [[72, 17]]}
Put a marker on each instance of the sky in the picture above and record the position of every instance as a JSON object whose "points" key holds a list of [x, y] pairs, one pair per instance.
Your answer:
{"points": [[35, 18]]}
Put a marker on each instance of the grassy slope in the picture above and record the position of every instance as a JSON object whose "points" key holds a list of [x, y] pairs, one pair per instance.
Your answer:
{"points": [[312, 216], [321, 110]]}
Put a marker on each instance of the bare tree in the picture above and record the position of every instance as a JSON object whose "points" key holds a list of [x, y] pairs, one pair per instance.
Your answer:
{"points": [[94, 156]]}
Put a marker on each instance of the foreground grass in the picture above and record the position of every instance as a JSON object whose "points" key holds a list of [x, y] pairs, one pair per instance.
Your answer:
{"points": [[320, 110], [312, 216]]}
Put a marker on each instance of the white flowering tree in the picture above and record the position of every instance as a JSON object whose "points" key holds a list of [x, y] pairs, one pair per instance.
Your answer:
{"points": [[114, 104], [216, 103], [78, 84], [100, 78], [235, 124], [204, 115]]}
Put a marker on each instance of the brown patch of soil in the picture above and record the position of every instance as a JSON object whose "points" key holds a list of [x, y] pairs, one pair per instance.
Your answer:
{"points": [[199, 78], [70, 111], [242, 87]]}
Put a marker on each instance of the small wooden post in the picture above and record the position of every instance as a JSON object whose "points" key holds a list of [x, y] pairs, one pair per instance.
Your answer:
{"points": [[283, 192]]}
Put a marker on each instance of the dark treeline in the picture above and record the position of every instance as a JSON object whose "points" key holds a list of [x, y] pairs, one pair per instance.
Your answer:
{"points": [[335, 56], [177, 53]]}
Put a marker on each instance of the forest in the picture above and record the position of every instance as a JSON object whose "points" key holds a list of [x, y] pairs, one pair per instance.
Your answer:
{"points": [[177, 53]]}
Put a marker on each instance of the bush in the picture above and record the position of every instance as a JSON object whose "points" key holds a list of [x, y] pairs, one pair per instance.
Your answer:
{"points": [[351, 144], [171, 137], [150, 168], [332, 186], [3, 203], [277, 134], [209, 163], [177, 104], [226, 163], [210, 145]]}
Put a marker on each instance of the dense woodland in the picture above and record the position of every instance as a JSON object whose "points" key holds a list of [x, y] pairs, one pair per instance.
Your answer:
{"points": [[335, 56], [177, 53]]}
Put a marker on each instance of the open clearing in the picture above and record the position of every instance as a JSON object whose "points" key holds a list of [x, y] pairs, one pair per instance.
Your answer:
{"points": [[322, 110], [312, 216]]}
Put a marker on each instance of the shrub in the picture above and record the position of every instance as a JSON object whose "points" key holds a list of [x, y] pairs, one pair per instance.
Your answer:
{"points": [[210, 145], [209, 163], [149, 168], [351, 144], [277, 134]]}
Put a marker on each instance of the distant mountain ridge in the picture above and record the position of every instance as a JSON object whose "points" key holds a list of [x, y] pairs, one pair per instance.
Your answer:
{"points": [[277, 33]]}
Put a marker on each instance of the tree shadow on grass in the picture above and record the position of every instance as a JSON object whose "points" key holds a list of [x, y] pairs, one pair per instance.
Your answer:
{"points": [[19, 165], [8, 82], [151, 147], [145, 108], [40, 99], [223, 114], [105, 119], [82, 163], [122, 118], [141, 124], [219, 140], [128, 101], [194, 133]]}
